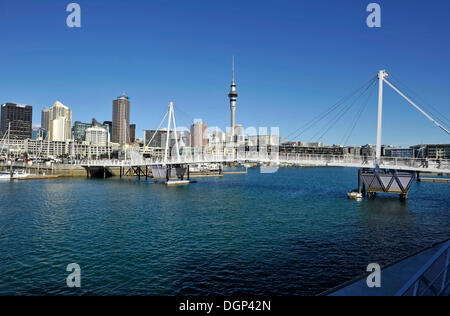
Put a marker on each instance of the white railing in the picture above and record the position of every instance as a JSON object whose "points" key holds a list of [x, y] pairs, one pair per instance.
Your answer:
{"points": [[433, 278], [413, 164]]}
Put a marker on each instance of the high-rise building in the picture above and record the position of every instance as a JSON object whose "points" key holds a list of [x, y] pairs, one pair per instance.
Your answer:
{"points": [[121, 120], [56, 111], [233, 97], [59, 129], [217, 137], [79, 130], [132, 133], [38, 133], [199, 134], [18, 118], [109, 124], [45, 121], [97, 136], [155, 138]]}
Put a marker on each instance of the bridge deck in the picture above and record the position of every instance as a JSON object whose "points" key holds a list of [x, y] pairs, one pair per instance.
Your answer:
{"points": [[410, 164]]}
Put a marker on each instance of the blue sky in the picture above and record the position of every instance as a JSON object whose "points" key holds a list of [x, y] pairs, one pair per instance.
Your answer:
{"points": [[294, 59]]}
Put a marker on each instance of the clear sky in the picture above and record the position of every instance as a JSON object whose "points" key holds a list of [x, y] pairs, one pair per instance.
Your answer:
{"points": [[294, 59]]}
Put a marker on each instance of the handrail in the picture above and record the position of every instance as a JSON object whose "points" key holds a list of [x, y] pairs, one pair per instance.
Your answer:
{"points": [[414, 283], [413, 164]]}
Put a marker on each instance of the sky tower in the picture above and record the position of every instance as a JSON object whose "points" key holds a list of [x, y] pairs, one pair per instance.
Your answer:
{"points": [[233, 97]]}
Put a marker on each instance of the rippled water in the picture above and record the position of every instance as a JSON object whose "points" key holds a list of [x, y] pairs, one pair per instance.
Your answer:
{"points": [[292, 232]]}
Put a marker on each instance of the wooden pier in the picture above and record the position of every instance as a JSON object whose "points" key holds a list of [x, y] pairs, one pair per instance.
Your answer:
{"points": [[41, 177], [435, 180]]}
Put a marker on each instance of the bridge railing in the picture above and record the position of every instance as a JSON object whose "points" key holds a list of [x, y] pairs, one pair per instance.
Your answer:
{"points": [[276, 158], [415, 163], [328, 159], [433, 279]]}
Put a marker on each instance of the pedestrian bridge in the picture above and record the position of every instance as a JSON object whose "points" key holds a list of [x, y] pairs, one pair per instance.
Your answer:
{"points": [[404, 164], [237, 155]]}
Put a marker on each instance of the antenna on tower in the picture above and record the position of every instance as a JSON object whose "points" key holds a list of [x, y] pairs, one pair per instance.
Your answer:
{"points": [[233, 67]]}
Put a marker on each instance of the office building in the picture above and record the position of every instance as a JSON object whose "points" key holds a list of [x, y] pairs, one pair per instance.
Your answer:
{"points": [[121, 120], [58, 110], [38, 133], [154, 138], [79, 130], [97, 136], [432, 151], [398, 152], [199, 134], [59, 129], [108, 124], [132, 133], [18, 118], [157, 139]]}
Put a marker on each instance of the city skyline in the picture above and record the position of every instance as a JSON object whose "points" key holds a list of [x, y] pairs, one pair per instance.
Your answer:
{"points": [[285, 83]]}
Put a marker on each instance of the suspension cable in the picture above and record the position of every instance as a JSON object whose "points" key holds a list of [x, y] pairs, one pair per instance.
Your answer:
{"points": [[324, 114], [417, 107], [357, 117], [341, 113], [157, 130], [431, 109]]}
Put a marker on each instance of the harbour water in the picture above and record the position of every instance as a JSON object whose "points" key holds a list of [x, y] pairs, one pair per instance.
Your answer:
{"points": [[291, 232]]}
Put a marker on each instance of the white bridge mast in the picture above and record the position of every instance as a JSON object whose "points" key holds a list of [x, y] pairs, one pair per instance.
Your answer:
{"points": [[171, 119], [382, 75]]}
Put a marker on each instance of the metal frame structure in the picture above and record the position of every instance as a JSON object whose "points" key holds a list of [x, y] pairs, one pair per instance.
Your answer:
{"points": [[387, 181]]}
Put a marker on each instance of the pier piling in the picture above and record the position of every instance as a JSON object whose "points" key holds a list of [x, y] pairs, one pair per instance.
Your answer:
{"points": [[359, 180]]}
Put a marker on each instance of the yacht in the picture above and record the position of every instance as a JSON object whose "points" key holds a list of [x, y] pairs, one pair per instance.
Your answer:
{"points": [[4, 175], [20, 174]]}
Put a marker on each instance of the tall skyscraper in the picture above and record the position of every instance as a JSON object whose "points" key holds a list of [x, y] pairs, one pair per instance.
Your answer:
{"points": [[132, 133], [19, 118], [121, 120], [233, 97], [58, 110], [59, 129], [199, 134]]}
